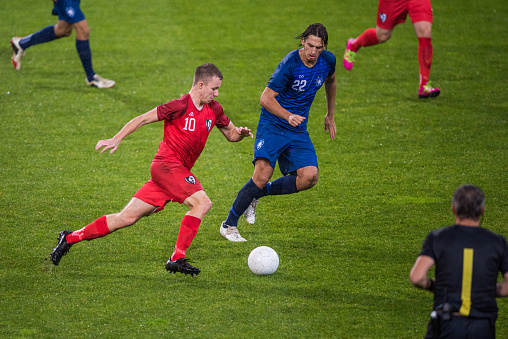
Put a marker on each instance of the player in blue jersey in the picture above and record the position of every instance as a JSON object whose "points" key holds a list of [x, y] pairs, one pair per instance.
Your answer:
{"points": [[282, 130], [468, 260], [70, 17]]}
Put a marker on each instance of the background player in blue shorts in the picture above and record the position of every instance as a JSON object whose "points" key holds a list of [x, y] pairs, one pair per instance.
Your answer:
{"points": [[468, 260], [70, 17], [282, 130]]}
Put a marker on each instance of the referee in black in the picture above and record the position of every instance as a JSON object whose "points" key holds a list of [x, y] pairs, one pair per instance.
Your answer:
{"points": [[468, 260]]}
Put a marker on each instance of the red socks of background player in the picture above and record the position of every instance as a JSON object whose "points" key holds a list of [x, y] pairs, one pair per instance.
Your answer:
{"points": [[188, 230], [96, 229], [367, 38], [424, 59]]}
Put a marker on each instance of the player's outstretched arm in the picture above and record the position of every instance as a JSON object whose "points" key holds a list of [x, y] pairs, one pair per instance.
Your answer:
{"points": [[130, 127], [331, 92], [271, 104], [234, 134]]}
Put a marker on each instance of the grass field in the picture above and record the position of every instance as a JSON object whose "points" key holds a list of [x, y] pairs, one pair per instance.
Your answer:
{"points": [[346, 246]]}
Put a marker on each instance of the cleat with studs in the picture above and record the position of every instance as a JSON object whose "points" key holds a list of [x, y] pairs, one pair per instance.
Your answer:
{"points": [[182, 265], [61, 249]]}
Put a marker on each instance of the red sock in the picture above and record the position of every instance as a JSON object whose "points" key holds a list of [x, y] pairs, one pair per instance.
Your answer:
{"points": [[424, 59], [96, 229], [188, 230], [367, 38]]}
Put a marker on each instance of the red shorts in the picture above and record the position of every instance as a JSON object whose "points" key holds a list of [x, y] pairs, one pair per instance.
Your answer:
{"points": [[390, 13], [169, 182]]}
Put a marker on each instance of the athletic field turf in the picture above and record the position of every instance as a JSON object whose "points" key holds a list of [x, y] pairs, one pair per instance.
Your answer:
{"points": [[346, 246]]}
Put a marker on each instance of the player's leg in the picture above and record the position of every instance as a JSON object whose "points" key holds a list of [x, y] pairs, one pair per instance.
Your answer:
{"points": [[199, 204], [263, 171], [422, 17], [135, 210], [307, 177], [390, 13], [423, 31], [47, 34], [85, 55]]}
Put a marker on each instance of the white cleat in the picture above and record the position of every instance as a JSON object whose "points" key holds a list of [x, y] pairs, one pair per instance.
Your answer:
{"points": [[231, 233], [17, 53], [100, 82], [250, 212]]}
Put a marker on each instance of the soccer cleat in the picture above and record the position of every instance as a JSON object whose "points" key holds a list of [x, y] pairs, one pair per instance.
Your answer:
{"points": [[349, 56], [428, 91], [250, 212], [17, 52], [182, 265], [231, 233], [61, 249], [100, 82]]}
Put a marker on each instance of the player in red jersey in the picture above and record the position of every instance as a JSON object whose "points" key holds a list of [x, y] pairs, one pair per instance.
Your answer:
{"points": [[187, 124], [390, 14]]}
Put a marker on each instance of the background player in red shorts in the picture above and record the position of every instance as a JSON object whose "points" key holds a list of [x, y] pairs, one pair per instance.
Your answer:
{"points": [[390, 14], [187, 124]]}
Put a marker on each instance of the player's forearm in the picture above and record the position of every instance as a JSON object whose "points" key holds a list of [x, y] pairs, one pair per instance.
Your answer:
{"points": [[273, 106], [135, 124], [424, 284], [129, 128]]}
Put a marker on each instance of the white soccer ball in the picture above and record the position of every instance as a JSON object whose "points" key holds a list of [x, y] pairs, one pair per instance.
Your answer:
{"points": [[263, 260]]}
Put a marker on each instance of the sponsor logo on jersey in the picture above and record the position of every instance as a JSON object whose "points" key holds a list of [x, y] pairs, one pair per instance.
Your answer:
{"points": [[208, 125], [382, 16], [260, 144], [191, 180], [191, 114]]}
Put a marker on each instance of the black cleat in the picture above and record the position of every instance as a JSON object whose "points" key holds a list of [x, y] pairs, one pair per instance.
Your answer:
{"points": [[182, 265], [61, 249]]}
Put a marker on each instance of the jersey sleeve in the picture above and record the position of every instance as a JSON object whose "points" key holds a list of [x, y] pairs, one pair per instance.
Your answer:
{"points": [[428, 246], [221, 120], [172, 109], [282, 73]]}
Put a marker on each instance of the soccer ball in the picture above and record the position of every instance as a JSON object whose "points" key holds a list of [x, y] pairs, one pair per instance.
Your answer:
{"points": [[263, 260]]}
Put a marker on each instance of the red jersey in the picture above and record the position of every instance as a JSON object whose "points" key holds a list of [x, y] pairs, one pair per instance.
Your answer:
{"points": [[186, 129]]}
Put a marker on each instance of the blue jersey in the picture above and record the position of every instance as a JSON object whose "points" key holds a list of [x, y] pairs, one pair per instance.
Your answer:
{"points": [[297, 85]]}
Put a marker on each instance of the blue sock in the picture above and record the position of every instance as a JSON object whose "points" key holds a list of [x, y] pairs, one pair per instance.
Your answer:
{"points": [[242, 201], [283, 185], [46, 34], [85, 54]]}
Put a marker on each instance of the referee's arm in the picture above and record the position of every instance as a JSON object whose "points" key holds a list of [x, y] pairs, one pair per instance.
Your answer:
{"points": [[502, 287]]}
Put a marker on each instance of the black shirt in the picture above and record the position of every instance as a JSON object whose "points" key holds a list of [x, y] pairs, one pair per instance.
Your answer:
{"points": [[468, 261]]}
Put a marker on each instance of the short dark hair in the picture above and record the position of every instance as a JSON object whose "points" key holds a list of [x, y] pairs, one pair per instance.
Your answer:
{"points": [[469, 201], [205, 72], [317, 30]]}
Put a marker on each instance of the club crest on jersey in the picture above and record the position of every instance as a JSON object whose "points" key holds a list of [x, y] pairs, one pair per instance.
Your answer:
{"points": [[191, 180], [382, 16], [70, 11], [319, 81], [208, 125], [260, 144]]}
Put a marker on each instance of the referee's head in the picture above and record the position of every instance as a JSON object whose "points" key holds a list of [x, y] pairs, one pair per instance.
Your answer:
{"points": [[468, 202]]}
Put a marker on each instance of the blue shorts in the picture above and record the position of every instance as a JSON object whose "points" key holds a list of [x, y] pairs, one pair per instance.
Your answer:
{"points": [[293, 150], [68, 11]]}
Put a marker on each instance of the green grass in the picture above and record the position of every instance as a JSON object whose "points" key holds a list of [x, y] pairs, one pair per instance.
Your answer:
{"points": [[345, 247]]}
